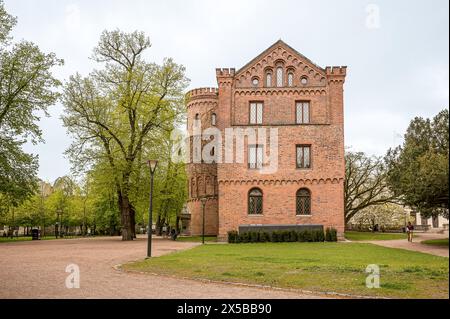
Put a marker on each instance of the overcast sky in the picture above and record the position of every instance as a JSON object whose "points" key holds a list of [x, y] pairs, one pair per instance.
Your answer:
{"points": [[397, 52]]}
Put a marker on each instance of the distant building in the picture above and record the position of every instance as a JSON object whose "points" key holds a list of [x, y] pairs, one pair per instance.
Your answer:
{"points": [[427, 224]]}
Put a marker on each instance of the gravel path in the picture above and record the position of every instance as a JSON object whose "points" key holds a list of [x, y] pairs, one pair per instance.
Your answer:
{"points": [[416, 245], [37, 270]]}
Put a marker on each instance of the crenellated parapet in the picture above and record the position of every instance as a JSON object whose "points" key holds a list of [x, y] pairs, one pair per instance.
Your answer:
{"points": [[202, 93], [336, 74], [225, 77], [225, 72]]}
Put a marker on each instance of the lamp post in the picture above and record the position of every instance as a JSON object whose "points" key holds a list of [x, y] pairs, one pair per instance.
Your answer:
{"points": [[58, 223], [203, 200], [152, 165]]}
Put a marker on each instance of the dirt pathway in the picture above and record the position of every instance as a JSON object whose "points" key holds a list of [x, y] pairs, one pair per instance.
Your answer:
{"points": [[37, 270], [416, 245]]}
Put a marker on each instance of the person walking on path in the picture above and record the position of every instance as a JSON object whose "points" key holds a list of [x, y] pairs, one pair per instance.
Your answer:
{"points": [[409, 230]]}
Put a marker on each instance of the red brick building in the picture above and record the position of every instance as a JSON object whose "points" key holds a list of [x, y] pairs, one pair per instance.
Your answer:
{"points": [[283, 91]]}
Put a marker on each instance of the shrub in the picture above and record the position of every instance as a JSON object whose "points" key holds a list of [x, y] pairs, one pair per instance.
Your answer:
{"points": [[333, 232], [308, 236], [317, 236], [331, 235], [283, 236], [244, 237], [301, 236], [293, 236], [321, 236], [275, 236], [232, 236], [327, 234], [262, 237], [254, 237]]}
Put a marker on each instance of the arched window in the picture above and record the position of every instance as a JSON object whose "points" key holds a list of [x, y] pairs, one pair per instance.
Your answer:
{"points": [[197, 116], [255, 202], [268, 79], [279, 76], [213, 119], [303, 202], [290, 79]]}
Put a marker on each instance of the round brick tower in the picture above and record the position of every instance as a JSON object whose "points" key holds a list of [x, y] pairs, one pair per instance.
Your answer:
{"points": [[202, 114]]}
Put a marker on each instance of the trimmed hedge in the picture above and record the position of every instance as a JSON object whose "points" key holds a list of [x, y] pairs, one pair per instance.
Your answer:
{"points": [[283, 236]]}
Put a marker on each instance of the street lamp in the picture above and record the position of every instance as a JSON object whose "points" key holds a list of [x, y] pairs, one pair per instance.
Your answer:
{"points": [[203, 200], [58, 223], [152, 165]]}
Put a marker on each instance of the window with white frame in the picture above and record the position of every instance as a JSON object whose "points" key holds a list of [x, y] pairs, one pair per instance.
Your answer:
{"points": [[255, 156], [302, 112], [303, 156], [279, 77], [256, 113], [290, 79], [268, 79]]}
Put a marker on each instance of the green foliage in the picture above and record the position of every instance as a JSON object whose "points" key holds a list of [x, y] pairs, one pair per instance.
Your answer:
{"points": [[121, 116], [327, 235], [232, 236], [17, 171], [332, 235], [418, 169], [278, 236], [365, 185], [7, 22], [27, 87]]}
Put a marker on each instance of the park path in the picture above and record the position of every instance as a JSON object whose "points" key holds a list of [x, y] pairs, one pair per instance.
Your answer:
{"points": [[36, 269], [416, 245]]}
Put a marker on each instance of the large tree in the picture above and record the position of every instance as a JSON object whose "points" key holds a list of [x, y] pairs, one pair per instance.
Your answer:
{"points": [[27, 87], [112, 112], [418, 169], [365, 184]]}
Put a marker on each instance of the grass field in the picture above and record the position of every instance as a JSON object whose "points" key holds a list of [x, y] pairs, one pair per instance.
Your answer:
{"points": [[197, 239], [28, 238], [320, 267], [363, 236], [436, 242]]}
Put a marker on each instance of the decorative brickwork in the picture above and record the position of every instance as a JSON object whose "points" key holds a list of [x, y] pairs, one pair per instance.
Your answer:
{"points": [[227, 185]]}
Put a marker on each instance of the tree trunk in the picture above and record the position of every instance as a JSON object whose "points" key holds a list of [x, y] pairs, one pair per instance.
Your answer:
{"points": [[159, 225], [125, 216], [133, 221]]}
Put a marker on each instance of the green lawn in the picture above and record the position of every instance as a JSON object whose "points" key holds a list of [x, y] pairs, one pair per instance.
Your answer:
{"points": [[197, 238], [26, 238], [320, 267], [362, 236], [436, 242]]}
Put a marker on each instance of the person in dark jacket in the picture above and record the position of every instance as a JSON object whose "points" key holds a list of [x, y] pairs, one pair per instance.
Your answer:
{"points": [[410, 230]]}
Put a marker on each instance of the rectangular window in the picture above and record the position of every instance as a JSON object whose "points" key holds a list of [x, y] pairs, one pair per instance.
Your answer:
{"points": [[302, 112], [255, 156], [303, 156], [256, 113]]}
